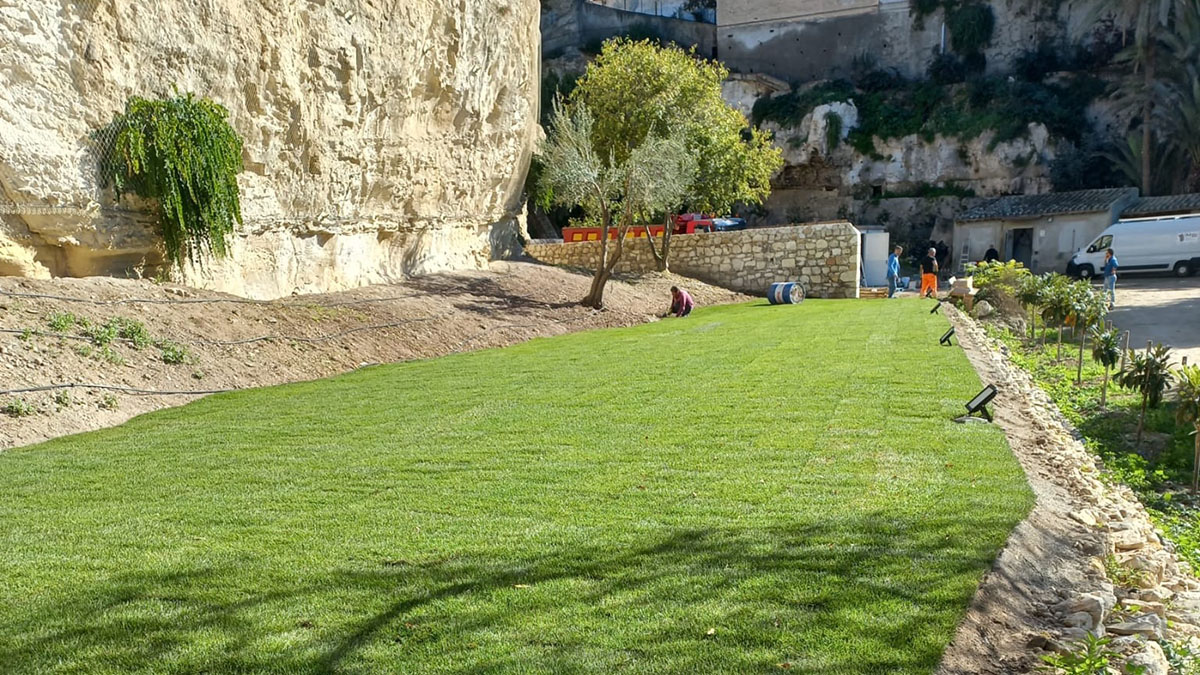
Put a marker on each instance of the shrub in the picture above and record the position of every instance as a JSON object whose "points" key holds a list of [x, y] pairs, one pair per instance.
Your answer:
{"points": [[18, 407], [1089, 656], [109, 402], [173, 352], [63, 399], [998, 277], [971, 26], [182, 153], [946, 68], [61, 322], [833, 130]]}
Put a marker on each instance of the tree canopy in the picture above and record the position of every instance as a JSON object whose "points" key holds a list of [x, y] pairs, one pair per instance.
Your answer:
{"points": [[639, 89]]}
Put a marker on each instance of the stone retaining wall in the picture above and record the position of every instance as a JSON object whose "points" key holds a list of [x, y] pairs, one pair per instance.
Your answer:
{"points": [[824, 257]]}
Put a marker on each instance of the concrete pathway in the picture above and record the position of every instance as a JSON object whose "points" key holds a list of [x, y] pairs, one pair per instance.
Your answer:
{"points": [[1161, 309]]}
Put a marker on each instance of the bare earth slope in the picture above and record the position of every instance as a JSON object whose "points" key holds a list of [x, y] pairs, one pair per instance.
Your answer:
{"points": [[234, 343]]}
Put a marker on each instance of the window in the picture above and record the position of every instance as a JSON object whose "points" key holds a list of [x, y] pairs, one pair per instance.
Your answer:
{"points": [[1100, 244]]}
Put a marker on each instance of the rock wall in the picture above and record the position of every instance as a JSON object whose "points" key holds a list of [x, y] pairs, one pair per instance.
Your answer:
{"points": [[805, 41], [824, 257], [382, 139]]}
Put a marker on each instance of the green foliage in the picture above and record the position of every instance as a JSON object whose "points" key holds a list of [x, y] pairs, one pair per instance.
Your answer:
{"points": [[61, 322], [960, 111], [1123, 575], [833, 130], [638, 90], [182, 153], [652, 178], [1106, 346], [946, 68], [109, 402], [18, 407], [1148, 373], [928, 191], [1091, 656], [63, 399], [214, 526], [1180, 657], [1188, 394], [971, 25], [173, 352], [1005, 277]]}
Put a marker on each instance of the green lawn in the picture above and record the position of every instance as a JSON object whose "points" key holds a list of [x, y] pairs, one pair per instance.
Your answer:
{"points": [[748, 487]]}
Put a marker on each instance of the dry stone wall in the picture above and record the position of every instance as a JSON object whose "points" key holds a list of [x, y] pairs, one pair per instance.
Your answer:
{"points": [[382, 137], [824, 257]]}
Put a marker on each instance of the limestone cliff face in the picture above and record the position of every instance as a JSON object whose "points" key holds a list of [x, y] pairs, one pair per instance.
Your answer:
{"points": [[382, 137]]}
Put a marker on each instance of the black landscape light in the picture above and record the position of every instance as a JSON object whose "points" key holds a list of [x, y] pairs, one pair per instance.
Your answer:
{"points": [[936, 307], [979, 405], [945, 341]]}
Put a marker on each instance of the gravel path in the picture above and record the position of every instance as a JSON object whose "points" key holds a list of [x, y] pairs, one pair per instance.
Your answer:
{"points": [[1046, 556]]}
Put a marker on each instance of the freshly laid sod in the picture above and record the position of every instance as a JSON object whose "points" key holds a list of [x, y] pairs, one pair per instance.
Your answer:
{"points": [[748, 489]]}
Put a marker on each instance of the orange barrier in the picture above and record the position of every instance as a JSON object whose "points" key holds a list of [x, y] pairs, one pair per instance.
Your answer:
{"points": [[572, 234]]}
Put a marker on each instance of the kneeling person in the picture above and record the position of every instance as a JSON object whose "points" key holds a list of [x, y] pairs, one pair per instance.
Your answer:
{"points": [[681, 302]]}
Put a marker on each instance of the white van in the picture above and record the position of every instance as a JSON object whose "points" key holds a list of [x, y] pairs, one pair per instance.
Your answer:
{"points": [[1168, 244]]}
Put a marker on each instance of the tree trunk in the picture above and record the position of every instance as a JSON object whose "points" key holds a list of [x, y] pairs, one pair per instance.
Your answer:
{"points": [[1147, 131], [595, 296], [1059, 353], [1196, 463], [1032, 323], [1104, 389], [1141, 422], [1079, 368], [664, 264], [661, 255]]}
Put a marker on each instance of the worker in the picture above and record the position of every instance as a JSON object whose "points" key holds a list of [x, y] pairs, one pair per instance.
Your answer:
{"points": [[893, 270], [1110, 276], [682, 303], [929, 272], [992, 254]]}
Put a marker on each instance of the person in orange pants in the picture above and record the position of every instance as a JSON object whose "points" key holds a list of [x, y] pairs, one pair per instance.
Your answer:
{"points": [[929, 272]]}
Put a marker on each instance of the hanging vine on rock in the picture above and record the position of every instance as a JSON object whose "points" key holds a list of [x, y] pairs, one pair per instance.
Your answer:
{"points": [[182, 153]]}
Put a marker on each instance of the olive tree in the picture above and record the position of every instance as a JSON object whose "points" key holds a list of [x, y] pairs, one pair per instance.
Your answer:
{"points": [[638, 90], [614, 191]]}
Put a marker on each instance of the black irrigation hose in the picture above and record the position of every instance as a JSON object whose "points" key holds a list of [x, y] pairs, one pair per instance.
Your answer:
{"points": [[260, 338], [113, 387], [193, 301], [154, 392]]}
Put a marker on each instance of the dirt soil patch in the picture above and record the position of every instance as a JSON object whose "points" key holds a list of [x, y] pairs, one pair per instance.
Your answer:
{"points": [[1048, 555], [231, 343]]}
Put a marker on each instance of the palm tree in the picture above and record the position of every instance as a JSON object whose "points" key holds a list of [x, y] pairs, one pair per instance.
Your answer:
{"points": [[1189, 412], [1106, 350], [1150, 20], [1166, 165], [1149, 374]]}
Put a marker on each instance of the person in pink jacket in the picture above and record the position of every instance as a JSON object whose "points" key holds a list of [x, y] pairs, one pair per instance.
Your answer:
{"points": [[682, 303]]}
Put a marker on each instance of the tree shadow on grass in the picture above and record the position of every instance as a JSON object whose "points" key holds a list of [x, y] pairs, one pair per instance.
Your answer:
{"points": [[878, 593]]}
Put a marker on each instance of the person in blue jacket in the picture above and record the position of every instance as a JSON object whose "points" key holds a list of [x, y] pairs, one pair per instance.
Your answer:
{"points": [[893, 270], [1110, 276]]}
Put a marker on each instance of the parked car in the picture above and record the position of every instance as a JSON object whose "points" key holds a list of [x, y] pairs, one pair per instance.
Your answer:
{"points": [[1167, 244], [688, 223]]}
